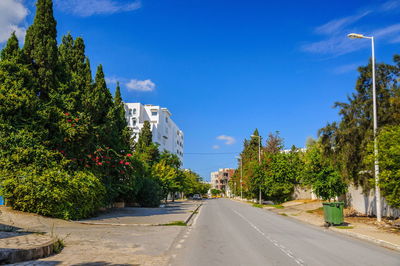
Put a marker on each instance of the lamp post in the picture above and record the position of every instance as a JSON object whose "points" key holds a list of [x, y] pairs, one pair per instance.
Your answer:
{"points": [[259, 163], [376, 162], [241, 176]]}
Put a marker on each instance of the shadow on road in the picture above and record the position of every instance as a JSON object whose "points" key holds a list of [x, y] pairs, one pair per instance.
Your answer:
{"points": [[115, 213]]}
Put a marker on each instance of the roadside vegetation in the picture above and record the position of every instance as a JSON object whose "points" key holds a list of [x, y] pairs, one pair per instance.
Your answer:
{"points": [[176, 223], [65, 148], [341, 155]]}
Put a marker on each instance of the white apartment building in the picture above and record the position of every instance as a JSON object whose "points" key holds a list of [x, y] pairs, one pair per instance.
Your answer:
{"points": [[165, 132]]}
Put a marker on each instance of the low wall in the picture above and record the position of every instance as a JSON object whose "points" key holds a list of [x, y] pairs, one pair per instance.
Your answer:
{"points": [[364, 202], [361, 201], [303, 193]]}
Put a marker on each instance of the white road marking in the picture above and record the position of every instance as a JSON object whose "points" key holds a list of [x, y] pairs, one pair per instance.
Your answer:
{"points": [[273, 241], [179, 246], [182, 240]]}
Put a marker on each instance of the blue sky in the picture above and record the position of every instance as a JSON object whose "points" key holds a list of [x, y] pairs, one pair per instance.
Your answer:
{"points": [[224, 68]]}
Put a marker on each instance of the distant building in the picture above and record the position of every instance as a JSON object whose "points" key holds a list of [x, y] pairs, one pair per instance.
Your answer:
{"points": [[220, 179], [297, 150], [165, 132]]}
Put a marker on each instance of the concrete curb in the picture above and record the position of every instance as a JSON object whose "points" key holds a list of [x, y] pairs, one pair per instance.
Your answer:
{"points": [[191, 215], [114, 224], [376, 241], [8, 256]]}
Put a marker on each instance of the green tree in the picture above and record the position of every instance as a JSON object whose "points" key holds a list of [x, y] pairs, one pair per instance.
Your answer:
{"points": [[145, 137], [345, 142], [40, 48], [167, 176], [279, 174], [17, 91], [101, 98], [249, 157], [145, 149], [320, 174], [11, 52], [389, 163]]}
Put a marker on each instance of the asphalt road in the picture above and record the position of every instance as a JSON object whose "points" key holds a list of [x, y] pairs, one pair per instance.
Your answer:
{"points": [[234, 233]]}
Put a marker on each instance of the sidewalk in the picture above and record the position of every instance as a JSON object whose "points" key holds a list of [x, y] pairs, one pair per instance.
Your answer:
{"points": [[310, 211], [119, 236], [21, 246]]}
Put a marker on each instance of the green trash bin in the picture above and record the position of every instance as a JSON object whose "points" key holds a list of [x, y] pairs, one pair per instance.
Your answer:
{"points": [[333, 213]]}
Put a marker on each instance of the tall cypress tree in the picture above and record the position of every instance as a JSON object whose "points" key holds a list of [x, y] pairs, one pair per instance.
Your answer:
{"points": [[73, 72], [145, 137], [40, 47], [100, 100], [11, 51], [17, 93], [116, 129], [145, 149]]}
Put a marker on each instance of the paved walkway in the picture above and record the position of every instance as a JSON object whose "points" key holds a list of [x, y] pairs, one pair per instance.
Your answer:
{"points": [[23, 240], [128, 243]]}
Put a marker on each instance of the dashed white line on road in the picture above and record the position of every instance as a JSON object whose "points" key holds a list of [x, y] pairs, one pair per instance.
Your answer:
{"points": [[179, 246], [273, 241]]}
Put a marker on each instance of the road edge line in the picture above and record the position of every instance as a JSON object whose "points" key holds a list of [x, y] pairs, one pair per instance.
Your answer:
{"points": [[193, 213]]}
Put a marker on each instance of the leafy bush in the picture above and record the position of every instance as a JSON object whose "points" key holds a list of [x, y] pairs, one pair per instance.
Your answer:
{"points": [[149, 194], [53, 192]]}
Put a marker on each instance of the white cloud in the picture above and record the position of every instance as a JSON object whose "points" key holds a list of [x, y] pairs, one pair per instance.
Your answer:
{"points": [[85, 8], [112, 80], [12, 15], [336, 25], [215, 147], [140, 85], [346, 68], [389, 30], [228, 139], [336, 42], [390, 6], [337, 45]]}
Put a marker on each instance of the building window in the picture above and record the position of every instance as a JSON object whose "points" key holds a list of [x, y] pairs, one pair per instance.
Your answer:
{"points": [[130, 111], [133, 122], [166, 119], [153, 113], [134, 111]]}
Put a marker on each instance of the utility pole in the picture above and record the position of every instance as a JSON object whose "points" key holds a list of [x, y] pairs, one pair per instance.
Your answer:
{"points": [[259, 163], [241, 178], [376, 161]]}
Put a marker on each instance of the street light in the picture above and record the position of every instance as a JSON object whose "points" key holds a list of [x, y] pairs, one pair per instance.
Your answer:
{"points": [[241, 176], [259, 163], [376, 162]]}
